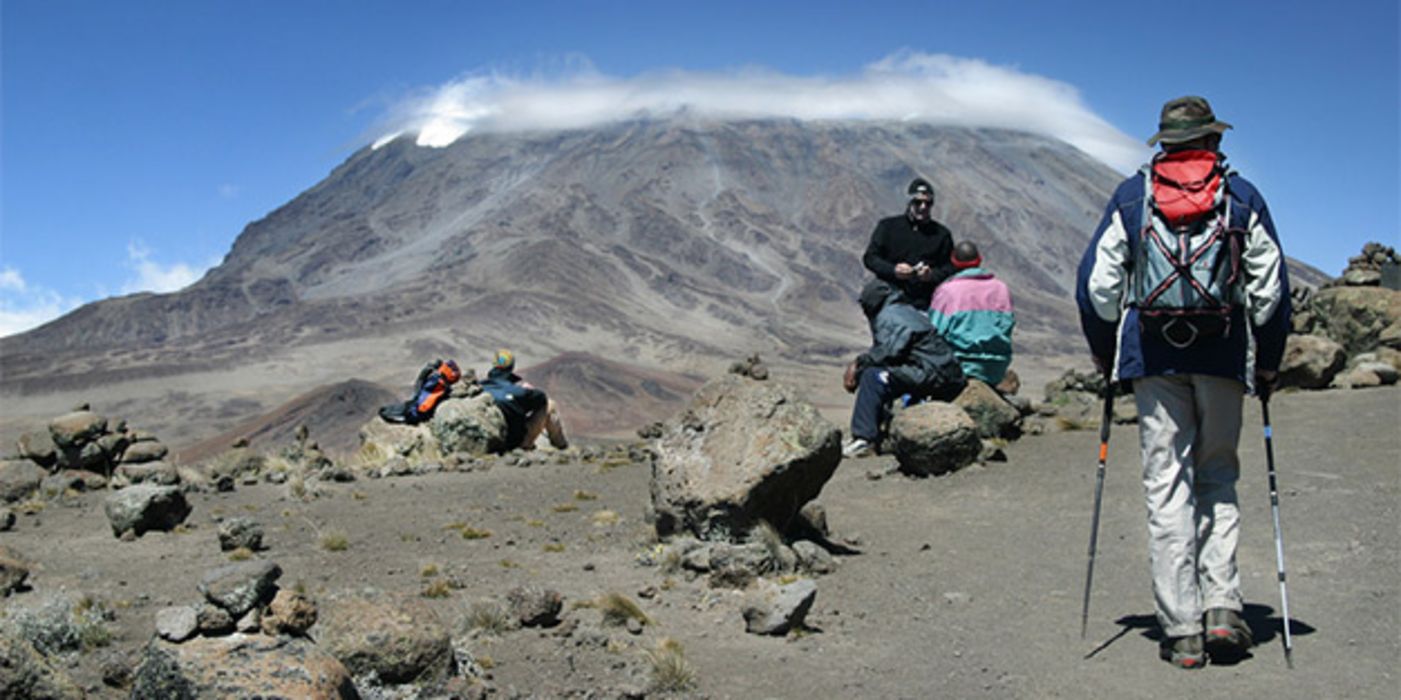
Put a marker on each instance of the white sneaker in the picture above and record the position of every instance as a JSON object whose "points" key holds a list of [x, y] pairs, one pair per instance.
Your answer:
{"points": [[858, 447]]}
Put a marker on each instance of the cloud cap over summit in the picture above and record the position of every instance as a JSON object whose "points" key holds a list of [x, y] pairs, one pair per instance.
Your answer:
{"points": [[905, 86]]}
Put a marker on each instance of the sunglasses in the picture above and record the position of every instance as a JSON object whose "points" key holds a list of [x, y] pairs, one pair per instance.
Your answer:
{"points": [[921, 203]]}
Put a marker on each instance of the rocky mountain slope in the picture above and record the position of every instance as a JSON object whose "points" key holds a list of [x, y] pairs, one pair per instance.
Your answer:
{"points": [[668, 246]]}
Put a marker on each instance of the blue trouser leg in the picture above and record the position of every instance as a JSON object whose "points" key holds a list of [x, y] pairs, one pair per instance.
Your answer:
{"points": [[873, 395]]}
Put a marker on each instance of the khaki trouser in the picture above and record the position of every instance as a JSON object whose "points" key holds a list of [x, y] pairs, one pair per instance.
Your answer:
{"points": [[1188, 428], [545, 420]]}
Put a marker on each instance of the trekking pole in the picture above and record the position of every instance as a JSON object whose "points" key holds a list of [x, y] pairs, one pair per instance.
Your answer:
{"points": [[1099, 494], [1279, 537]]}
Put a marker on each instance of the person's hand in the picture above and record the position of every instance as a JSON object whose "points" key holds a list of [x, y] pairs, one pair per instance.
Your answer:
{"points": [[904, 271], [849, 377], [1101, 365], [1265, 380], [924, 271]]}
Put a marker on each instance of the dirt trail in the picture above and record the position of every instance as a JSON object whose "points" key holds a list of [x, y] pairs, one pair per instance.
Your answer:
{"points": [[968, 586]]}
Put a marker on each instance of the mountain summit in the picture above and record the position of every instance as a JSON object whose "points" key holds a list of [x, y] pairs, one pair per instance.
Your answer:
{"points": [[671, 245]]}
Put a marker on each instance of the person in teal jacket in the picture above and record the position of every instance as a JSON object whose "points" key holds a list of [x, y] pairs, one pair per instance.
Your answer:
{"points": [[972, 310]]}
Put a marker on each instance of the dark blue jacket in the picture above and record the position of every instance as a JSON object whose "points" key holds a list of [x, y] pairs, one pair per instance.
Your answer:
{"points": [[516, 401], [1260, 319]]}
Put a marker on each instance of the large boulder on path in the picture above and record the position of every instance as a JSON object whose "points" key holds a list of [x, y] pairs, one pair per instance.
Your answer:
{"points": [[933, 438], [241, 587], [397, 637], [775, 609], [994, 416], [381, 441], [1310, 362], [473, 426], [240, 666], [146, 507], [19, 478], [25, 673], [38, 447], [77, 428], [742, 451]]}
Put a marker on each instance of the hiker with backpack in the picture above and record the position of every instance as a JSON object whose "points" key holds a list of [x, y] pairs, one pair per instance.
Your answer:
{"points": [[972, 311], [911, 251], [906, 357], [433, 384], [1183, 292], [527, 410]]}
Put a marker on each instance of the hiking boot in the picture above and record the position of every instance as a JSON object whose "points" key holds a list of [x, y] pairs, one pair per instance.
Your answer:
{"points": [[1227, 635], [858, 447], [1183, 652]]}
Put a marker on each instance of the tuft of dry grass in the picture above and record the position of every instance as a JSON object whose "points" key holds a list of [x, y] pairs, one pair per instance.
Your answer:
{"points": [[582, 495], [617, 609], [564, 508], [437, 588], [334, 541], [671, 672], [428, 571], [488, 617], [553, 547], [241, 554], [605, 518], [533, 522], [508, 564]]}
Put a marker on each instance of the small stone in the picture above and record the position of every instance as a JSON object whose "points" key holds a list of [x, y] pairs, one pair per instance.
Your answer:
{"points": [[177, 623], [634, 626]]}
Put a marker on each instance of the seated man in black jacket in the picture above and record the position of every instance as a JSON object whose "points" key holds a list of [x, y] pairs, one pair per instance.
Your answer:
{"points": [[911, 251], [906, 357], [526, 409]]}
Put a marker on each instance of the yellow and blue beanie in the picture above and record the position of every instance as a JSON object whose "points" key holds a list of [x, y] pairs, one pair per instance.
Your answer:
{"points": [[504, 360]]}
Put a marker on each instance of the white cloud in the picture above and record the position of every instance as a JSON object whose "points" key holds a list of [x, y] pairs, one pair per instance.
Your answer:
{"points": [[24, 306], [228, 191], [151, 276], [934, 88]]}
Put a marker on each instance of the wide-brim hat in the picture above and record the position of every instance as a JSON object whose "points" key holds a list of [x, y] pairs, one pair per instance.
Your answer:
{"points": [[1185, 119]]}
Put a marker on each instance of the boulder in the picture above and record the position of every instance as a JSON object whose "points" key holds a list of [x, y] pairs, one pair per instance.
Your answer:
{"points": [[240, 532], [994, 416], [743, 451], [19, 479], [775, 609], [398, 638], [1386, 372], [473, 426], [240, 666], [113, 445], [289, 612], [214, 620], [25, 673], [812, 557], [159, 473], [241, 587], [38, 446], [176, 623], [1360, 319], [145, 451], [1310, 362], [88, 456], [146, 507], [13, 571], [65, 480], [76, 429], [1356, 378], [535, 606], [932, 438], [380, 440]]}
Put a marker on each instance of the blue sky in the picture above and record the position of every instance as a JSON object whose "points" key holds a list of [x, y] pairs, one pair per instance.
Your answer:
{"points": [[138, 138]]}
